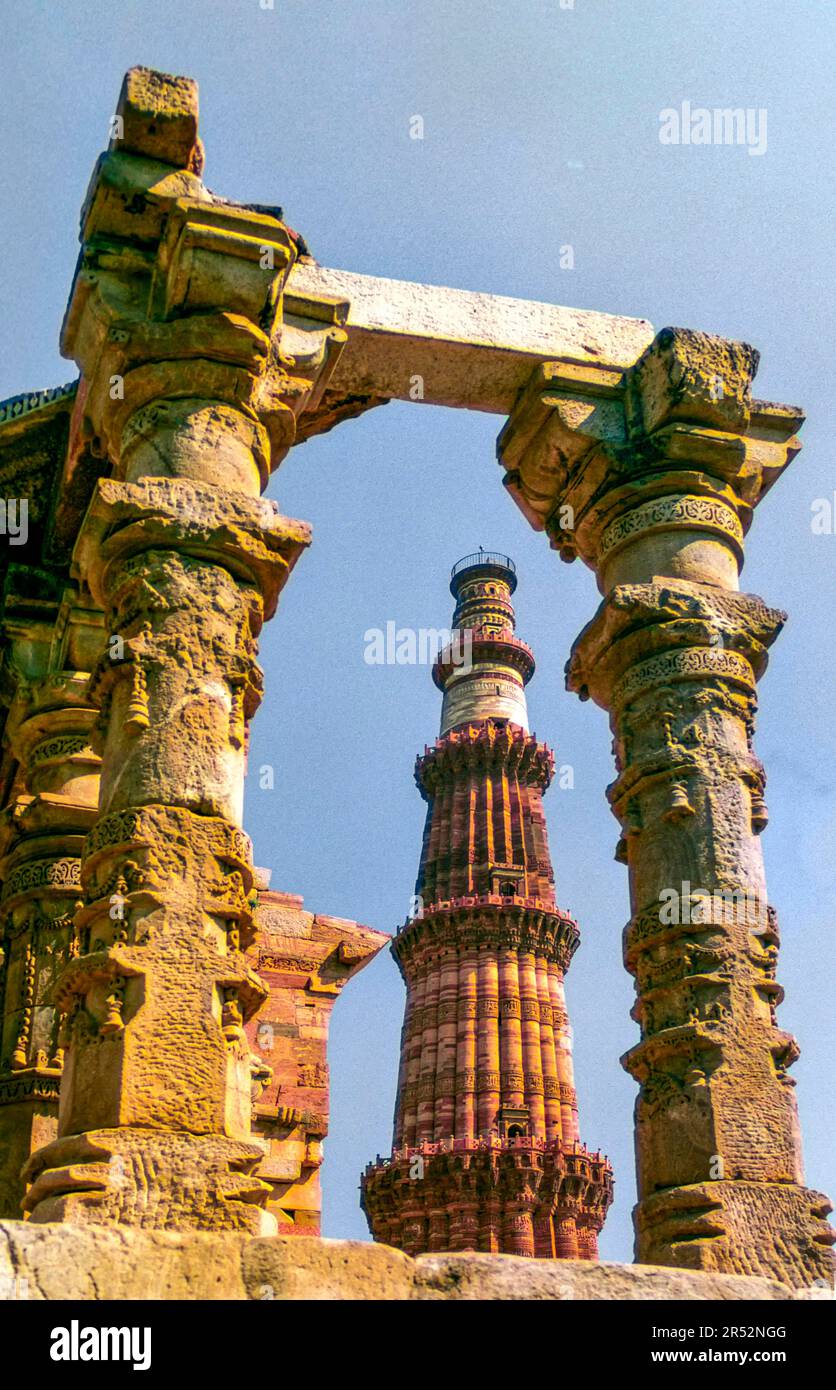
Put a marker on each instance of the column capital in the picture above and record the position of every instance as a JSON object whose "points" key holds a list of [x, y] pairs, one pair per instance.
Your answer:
{"points": [[663, 632], [178, 294], [249, 536], [656, 470]]}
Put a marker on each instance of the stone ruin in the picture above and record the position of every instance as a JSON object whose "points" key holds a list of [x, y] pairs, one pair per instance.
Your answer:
{"points": [[164, 1013]]}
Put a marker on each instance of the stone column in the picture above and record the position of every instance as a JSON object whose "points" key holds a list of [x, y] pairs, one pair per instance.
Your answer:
{"points": [[51, 804], [171, 320], [653, 482]]}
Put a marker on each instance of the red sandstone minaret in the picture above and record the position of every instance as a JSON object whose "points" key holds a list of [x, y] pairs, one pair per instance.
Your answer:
{"points": [[486, 1153]]}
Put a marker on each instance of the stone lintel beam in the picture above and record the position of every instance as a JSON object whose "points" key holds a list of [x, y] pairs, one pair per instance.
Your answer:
{"points": [[472, 351]]}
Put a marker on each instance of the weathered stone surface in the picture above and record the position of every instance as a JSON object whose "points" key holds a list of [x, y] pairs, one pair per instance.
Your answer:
{"points": [[472, 351], [507, 1277], [325, 1270], [107, 1263], [659, 473], [118, 1262], [128, 900]]}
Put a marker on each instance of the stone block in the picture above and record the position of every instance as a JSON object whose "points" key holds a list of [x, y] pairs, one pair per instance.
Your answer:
{"points": [[158, 115], [58, 1262]]}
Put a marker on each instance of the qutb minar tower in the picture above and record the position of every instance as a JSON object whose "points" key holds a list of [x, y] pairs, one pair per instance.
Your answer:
{"points": [[486, 1151]]}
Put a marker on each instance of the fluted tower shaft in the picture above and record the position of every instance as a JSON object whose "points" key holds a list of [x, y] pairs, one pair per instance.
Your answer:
{"points": [[486, 1151]]}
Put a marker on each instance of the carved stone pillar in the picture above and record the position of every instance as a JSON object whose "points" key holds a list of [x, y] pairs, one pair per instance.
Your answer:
{"points": [[653, 484], [170, 319], [52, 774]]}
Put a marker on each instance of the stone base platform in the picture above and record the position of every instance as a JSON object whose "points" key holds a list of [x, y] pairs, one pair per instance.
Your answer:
{"points": [[120, 1262]]}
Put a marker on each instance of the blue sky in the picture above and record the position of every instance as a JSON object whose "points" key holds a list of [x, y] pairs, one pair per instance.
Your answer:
{"points": [[540, 129]]}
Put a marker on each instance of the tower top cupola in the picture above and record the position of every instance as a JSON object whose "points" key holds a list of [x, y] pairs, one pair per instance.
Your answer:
{"points": [[485, 668]]}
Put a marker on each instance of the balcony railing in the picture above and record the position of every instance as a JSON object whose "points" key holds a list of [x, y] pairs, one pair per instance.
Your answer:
{"points": [[483, 557]]}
